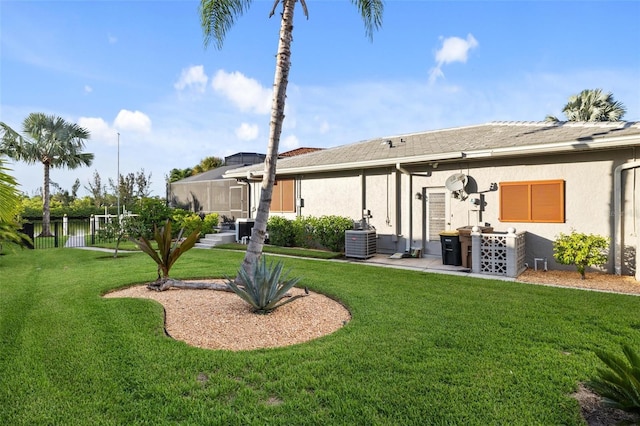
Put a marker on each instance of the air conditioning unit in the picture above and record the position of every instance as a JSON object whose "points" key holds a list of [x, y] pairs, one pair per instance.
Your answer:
{"points": [[244, 228], [360, 243]]}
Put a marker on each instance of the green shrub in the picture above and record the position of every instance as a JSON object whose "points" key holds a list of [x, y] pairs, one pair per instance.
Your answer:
{"points": [[264, 290], [304, 232], [281, 231], [619, 385], [185, 219], [329, 231], [151, 211], [209, 222], [169, 250], [581, 250]]}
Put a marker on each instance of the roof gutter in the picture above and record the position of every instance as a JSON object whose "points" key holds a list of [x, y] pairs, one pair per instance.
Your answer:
{"points": [[617, 210], [575, 145]]}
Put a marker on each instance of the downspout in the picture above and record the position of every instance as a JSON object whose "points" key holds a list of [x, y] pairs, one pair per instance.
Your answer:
{"points": [[617, 210], [410, 209]]}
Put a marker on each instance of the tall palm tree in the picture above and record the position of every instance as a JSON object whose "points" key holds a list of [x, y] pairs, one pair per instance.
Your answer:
{"points": [[51, 141], [592, 105], [217, 17]]}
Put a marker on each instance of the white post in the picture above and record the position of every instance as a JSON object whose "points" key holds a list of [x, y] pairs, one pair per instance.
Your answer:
{"points": [[476, 244], [512, 253], [65, 225]]}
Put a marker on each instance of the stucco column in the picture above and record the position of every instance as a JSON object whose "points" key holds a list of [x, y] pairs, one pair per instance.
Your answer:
{"points": [[476, 244], [512, 253]]}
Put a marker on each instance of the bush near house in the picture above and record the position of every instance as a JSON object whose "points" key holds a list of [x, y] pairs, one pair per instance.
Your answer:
{"points": [[191, 221], [209, 222], [281, 231], [309, 232], [581, 250]]}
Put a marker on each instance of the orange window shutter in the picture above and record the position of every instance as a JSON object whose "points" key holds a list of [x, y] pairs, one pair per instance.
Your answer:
{"points": [[514, 202], [288, 199], [276, 198], [547, 201]]}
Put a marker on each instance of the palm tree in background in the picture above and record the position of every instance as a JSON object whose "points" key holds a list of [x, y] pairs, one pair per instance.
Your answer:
{"points": [[592, 105], [217, 17], [51, 141]]}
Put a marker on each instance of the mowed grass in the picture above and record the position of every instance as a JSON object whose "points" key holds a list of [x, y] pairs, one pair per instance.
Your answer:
{"points": [[420, 349]]}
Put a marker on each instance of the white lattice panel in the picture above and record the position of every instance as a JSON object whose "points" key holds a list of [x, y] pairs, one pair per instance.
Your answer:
{"points": [[493, 254]]}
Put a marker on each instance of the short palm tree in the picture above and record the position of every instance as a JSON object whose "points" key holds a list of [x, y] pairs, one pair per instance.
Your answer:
{"points": [[217, 17], [9, 195], [51, 141], [9, 202], [592, 105]]}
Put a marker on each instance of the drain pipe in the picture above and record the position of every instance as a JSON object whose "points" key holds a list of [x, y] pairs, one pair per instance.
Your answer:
{"points": [[408, 193], [617, 210]]}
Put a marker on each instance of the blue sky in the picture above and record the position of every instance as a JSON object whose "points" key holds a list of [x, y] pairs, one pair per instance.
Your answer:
{"points": [[139, 68]]}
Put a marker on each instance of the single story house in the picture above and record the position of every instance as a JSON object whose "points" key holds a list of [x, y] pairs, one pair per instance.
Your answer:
{"points": [[211, 192], [544, 178]]}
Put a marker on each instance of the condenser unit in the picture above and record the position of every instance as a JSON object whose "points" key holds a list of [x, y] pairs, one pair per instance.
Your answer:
{"points": [[243, 229], [360, 243]]}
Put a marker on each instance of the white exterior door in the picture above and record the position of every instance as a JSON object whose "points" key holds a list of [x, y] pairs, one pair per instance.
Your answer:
{"points": [[436, 218]]}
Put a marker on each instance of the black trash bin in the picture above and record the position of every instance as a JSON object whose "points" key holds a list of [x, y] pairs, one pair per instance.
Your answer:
{"points": [[451, 253]]}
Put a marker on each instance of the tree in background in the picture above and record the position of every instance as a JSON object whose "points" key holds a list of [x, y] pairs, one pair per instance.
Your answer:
{"points": [[132, 187], [217, 17], [592, 105], [51, 141], [206, 164], [97, 190], [63, 196], [179, 174]]}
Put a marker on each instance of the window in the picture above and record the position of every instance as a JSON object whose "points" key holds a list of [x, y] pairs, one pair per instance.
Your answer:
{"points": [[534, 201], [282, 198]]}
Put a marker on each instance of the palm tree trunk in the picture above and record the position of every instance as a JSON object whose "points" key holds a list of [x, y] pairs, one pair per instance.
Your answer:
{"points": [[46, 213], [281, 79]]}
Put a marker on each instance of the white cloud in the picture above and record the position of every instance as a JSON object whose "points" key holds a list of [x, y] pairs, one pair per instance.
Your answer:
{"points": [[88, 89], [112, 39], [246, 93], [324, 126], [192, 77], [100, 129], [247, 132], [134, 121], [454, 49], [289, 143]]}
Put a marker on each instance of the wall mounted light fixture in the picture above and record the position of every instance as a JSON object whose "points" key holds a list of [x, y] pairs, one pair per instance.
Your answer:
{"points": [[418, 196]]}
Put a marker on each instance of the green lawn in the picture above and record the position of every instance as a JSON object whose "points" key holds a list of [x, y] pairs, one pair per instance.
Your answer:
{"points": [[420, 349]]}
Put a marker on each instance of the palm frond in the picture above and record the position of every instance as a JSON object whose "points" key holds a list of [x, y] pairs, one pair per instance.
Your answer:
{"points": [[619, 385], [218, 16], [371, 12]]}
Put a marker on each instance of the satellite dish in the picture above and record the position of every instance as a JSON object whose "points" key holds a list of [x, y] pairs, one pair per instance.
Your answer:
{"points": [[456, 182]]}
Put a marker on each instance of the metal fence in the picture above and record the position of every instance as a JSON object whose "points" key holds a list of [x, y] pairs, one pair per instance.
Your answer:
{"points": [[66, 232]]}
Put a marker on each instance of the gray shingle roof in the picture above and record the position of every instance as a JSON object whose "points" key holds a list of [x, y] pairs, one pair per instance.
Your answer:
{"points": [[491, 139]]}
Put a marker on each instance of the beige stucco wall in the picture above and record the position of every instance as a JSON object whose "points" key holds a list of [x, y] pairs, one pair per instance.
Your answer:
{"points": [[588, 197], [398, 216]]}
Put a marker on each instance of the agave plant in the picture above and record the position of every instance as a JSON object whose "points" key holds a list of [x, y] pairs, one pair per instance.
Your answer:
{"points": [[169, 250], [619, 386], [264, 290]]}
